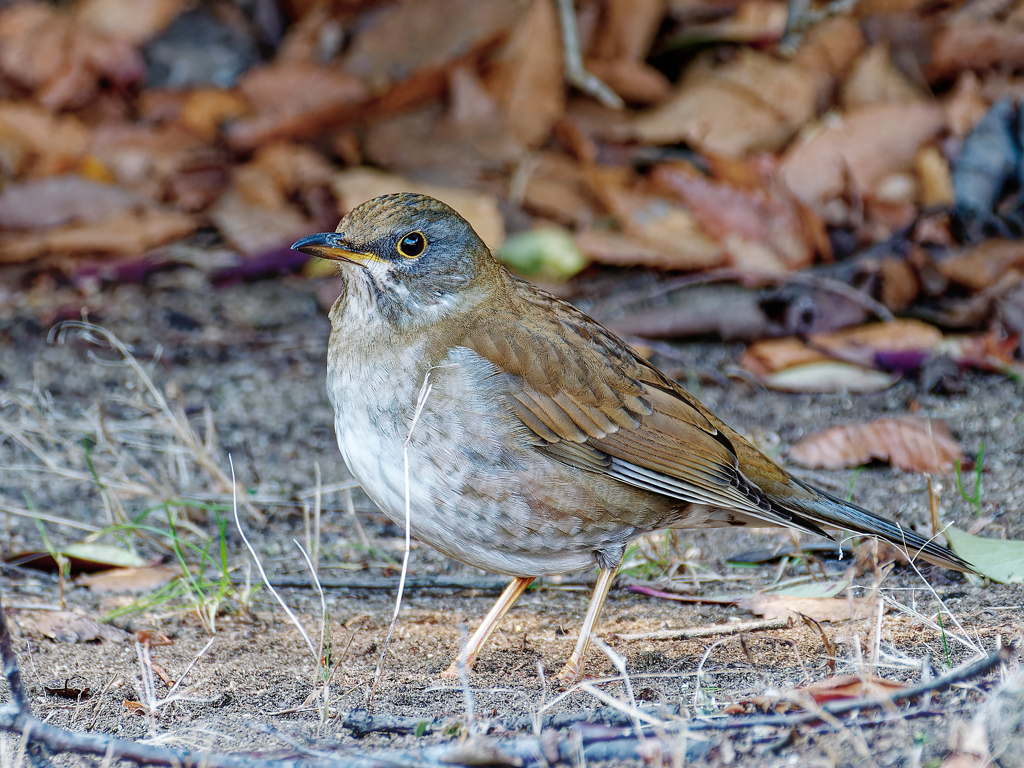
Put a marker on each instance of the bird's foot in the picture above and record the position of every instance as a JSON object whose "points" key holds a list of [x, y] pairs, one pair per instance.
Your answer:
{"points": [[453, 670], [571, 672]]}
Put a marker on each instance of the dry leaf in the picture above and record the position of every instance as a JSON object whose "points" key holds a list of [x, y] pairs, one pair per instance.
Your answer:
{"points": [[67, 688], [132, 21], [829, 376], [207, 109], [635, 81], [829, 51], [935, 177], [294, 100], [965, 106], [671, 234], [557, 188], [68, 627], [817, 608], [57, 200], [165, 164], [886, 345], [128, 234], [753, 215], [122, 580], [899, 283], [866, 344], [981, 266], [617, 249], [462, 147], [876, 80], [253, 228], [480, 209], [753, 103], [850, 687], [770, 355], [412, 44], [526, 76], [56, 144], [858, 150], [908, 443], [975, 44], [62, 61]]}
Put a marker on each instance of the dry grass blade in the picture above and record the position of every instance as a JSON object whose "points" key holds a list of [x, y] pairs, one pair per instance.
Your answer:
{"points": [[197, 448]]}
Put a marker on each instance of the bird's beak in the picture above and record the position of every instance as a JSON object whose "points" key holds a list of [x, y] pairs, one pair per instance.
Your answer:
{"points": [[331, 245]]}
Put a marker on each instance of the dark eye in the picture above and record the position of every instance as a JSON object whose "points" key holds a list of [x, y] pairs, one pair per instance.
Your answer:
{"points": [[412, 245]]}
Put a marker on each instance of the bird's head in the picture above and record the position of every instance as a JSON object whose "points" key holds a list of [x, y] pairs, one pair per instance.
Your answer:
{"points": [[415, 254]]}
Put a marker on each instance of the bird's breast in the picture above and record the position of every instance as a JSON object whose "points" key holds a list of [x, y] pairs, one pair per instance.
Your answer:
{"points": [[478, 489]]}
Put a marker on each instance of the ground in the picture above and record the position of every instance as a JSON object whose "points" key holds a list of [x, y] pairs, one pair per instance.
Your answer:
{"points": [[254, 355]]}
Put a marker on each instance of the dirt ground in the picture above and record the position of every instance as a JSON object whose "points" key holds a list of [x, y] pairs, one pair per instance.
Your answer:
{"points": [[254, 353]]}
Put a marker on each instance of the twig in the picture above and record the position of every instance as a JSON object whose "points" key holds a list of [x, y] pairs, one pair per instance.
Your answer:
{"points": [[717, 629], [479, 583], [575, 72]]}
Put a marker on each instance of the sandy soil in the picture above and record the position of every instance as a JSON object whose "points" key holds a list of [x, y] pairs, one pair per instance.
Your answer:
{"points": [[254, 354]]}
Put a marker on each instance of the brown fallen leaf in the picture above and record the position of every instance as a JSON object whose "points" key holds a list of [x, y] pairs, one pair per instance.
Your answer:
{"points": [[876, 80], [128, 234], [293, 100], [253, 227], [131, 21], [206, 110], [68, 627], [829, 51], [159, 161], [757, 215], [863, 344], [404, 51], [908, 443], [817, 608], [526, 75], [557, 188], [56, 144], [981, 266], [671, 233], [850, 687], [770, 355], [57, 200], [858, 150], [935, 177], [753, 103], [635, 81], [122, 580], [47, 51], [968, 43]]}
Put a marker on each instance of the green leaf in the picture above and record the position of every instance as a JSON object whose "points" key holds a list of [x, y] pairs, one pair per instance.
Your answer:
{"points": [[546, 253], [103, 554], [1001, 560]]}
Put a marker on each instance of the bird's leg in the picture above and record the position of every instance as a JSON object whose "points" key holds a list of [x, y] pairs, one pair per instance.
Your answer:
{"points": [[512, 592], [573, 669]]}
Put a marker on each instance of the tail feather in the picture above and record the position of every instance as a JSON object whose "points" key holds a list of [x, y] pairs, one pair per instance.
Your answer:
{"points": [[825, 509]]}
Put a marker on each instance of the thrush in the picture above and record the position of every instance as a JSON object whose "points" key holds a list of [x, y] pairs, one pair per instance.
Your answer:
{"points": [[529, 439]]}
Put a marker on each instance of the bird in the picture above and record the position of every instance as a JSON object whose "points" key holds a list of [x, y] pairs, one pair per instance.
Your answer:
{"points": [[526, 438]]}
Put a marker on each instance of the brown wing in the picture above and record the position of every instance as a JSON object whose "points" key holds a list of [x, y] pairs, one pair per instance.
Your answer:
{"points": [[595, 404]]}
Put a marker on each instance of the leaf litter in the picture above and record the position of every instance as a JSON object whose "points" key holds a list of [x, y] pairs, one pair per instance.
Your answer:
{"points": [[838, 153]]}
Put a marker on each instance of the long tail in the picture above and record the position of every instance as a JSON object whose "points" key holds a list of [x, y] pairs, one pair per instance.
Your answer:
{"points": [[827, 510]]}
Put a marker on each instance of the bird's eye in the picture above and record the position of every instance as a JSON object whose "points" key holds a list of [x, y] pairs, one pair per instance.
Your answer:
{"points": [[412, 245]]}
